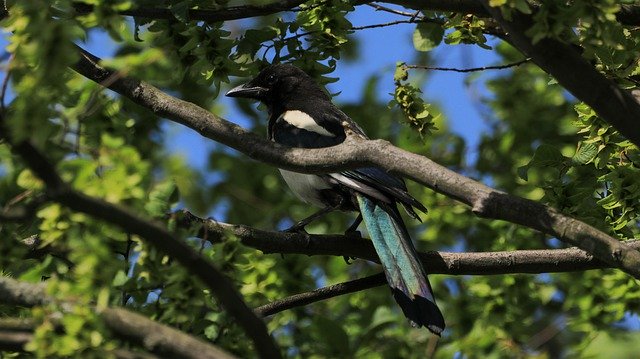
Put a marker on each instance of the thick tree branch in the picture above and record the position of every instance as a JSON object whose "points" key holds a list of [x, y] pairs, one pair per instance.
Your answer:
{"points": [[14, 341], [230, 13], [484, 201], [628, 14], [15, 333], [468, 263], [159, 338], [158, 237], [574, 73], [155, 337], [13, 292]]}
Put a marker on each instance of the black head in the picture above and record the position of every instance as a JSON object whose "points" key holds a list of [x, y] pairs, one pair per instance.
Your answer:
{"points": [[278, 86]]}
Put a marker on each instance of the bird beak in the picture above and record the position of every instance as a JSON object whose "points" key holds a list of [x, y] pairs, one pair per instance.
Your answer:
{"points": [[248, 91]]}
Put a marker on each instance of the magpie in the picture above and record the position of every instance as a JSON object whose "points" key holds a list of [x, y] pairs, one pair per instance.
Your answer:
{"points": [[302, 115]]}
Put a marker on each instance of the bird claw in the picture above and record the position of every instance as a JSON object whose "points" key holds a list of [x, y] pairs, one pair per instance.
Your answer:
{"points": [[296, 229], [300, 231]]}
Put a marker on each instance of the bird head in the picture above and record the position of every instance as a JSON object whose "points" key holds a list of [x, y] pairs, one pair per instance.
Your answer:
{"points": [[277, 85]]}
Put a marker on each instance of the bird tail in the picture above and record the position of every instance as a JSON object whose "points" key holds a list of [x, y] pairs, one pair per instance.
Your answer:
{"points": [[401, 265]]}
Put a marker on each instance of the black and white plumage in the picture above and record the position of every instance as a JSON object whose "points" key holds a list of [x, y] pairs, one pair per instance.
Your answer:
{"points": [[302, 115]]}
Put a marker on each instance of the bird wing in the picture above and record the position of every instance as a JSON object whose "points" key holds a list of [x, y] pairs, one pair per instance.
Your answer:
{"points": [[379, 184], [297, 137]]}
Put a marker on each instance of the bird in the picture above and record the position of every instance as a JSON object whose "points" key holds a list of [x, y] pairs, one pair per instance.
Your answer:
{"points": [[302, 115]]}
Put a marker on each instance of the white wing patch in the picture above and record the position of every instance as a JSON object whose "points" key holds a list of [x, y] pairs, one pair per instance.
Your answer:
{"points": [[303, 121], [360, 187]]}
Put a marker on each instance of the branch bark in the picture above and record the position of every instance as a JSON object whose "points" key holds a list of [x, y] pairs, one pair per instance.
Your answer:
{"points": [[158, 338], [230, 13], [155, 337], [484, 201], [158, 237], [628, 15], [615, 105], [15, 333], [319, 294], [532, 261]]}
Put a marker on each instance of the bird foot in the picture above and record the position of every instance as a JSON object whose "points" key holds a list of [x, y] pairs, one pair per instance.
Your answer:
{"points": [[296, 229]]}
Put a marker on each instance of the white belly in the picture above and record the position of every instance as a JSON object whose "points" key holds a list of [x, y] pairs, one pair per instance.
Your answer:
{"points": [[305, 186]]}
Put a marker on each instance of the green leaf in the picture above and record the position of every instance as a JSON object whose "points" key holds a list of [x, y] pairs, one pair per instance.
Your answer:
{"points": [[333, 335], [496, 3], [522, 6], [120, 279], [427, 36], [161, 198], [585, 153], [546, 156], [523, 172], [180, 10], [27, 180], [401, 73]]}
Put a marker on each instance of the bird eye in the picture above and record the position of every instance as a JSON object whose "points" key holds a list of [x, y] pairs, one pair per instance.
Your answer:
{"points": [[271, 79]]}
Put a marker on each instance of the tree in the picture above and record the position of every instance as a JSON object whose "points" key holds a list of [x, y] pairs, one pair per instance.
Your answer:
{"points": [[106, 245]]}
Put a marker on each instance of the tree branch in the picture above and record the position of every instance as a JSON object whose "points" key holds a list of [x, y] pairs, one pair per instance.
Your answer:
{"points": [[472, 69], [14, 340], [155, 337], [158, 237], [24, 212], [15, 333], [628, 15], [484, 201], [159, 338], [574, 73], [230, 13], [319, 294], [13, 292], [532, 261]]}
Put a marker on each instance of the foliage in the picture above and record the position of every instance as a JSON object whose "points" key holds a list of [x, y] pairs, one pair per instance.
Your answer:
{"points": [[541, 144]]}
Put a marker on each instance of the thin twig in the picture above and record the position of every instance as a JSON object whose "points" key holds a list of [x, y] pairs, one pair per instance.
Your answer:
{"points": [[127, 267], [390, 23], [357, 28], [473, 69], [5, 85], [319, 294], [379, 7]]}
